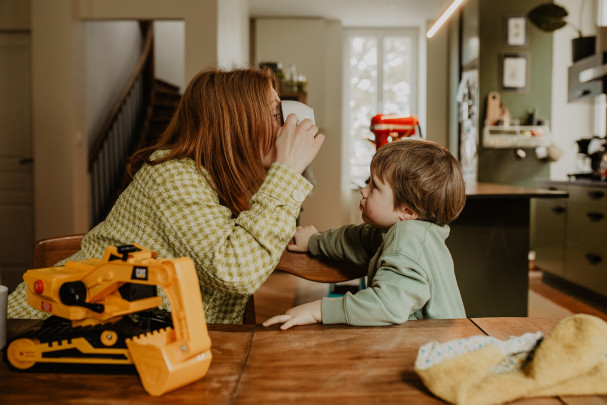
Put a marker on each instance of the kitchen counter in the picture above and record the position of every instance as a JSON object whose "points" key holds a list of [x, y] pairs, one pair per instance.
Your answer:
{"points": [[489, 190], [489, 243], [580, 182]]}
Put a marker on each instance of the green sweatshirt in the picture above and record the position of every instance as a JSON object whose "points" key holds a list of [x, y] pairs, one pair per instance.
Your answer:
{"points": [[410, 273]]}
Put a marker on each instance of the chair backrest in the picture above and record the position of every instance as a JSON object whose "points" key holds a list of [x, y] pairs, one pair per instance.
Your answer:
{"points": [[319, 269], [47, 252]]}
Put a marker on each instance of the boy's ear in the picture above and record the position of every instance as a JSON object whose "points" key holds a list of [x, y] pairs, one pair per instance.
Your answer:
{"points": [[406, 214]]}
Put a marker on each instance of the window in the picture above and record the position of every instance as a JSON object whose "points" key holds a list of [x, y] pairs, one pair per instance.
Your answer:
{"points": [[380, 69]]}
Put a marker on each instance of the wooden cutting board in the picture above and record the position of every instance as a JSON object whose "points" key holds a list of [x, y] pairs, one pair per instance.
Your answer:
{"points": [[493, 108]]}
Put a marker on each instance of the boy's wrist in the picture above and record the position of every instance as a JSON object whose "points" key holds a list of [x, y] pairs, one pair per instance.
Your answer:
{"points": [[314, 244], [332, 310]]}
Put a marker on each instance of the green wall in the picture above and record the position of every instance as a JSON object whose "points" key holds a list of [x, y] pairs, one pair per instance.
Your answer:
{"points": [[500, 165]]}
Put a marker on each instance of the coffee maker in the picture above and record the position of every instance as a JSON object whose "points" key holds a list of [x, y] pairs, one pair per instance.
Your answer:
{"points": [[390, 127], [592, 155]]}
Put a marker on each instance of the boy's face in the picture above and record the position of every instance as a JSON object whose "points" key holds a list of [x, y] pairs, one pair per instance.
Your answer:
{"points": [[377, 205]]}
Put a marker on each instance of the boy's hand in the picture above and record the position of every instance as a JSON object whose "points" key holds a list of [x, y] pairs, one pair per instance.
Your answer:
{"points": [[302, 315], [299, 243]]}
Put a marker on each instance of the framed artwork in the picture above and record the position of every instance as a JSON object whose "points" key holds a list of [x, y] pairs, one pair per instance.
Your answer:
{"points": [[514, 71], [515, 30]]}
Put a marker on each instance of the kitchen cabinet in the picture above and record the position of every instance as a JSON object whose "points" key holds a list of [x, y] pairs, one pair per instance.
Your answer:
{"points": [[551, 225], [489, 243], [571, 234]]}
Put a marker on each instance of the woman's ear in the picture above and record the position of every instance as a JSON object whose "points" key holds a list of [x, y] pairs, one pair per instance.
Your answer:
{"points": [[406, 214]]}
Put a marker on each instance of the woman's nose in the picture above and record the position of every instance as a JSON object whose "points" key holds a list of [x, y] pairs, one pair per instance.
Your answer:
{"points": [[363, 191]]}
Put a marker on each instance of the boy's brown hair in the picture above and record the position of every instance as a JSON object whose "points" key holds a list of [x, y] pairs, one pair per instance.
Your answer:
{"points": [[424, 176]]}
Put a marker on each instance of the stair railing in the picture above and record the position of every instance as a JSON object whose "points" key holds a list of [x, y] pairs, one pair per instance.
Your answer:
{"points": [[121, 131]]}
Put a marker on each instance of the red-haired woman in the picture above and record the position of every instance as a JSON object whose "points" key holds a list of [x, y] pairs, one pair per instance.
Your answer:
{"points": [[223, 186]]}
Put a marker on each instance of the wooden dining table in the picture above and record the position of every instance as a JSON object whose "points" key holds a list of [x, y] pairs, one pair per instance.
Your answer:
{"points": [[306, 364]]}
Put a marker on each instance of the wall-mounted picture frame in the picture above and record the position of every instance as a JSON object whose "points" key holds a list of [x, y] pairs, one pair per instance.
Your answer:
{"points": [[514, 71], [515, 30]]}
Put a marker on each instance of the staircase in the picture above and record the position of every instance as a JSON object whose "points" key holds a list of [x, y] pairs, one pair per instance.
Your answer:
{"points": [[165, 98], [138, 118]]}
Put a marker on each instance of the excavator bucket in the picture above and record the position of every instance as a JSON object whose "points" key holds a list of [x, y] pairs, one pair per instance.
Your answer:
{"points": [[171, 358], [165, 364]]}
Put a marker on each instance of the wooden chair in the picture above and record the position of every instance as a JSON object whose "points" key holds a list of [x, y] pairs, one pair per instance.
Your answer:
{"points": [[48, 252], [319, 269], [311, 268]]}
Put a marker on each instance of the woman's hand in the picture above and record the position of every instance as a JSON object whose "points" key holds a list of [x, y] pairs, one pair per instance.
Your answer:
{"points": [[301, 315], [299, 243], [297, 145]]}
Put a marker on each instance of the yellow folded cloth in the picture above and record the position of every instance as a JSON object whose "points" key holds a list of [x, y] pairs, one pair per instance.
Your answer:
{"points": [[481, 370]]}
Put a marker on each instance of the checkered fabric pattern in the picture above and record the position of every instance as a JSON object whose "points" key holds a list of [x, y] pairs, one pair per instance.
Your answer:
{"points": [[171, 209]]}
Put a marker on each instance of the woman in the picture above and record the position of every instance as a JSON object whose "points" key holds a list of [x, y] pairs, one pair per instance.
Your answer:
{"points": [[223, 186]]}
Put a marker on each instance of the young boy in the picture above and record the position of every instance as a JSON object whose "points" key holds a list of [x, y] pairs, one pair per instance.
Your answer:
{"points": [[416, 189]]}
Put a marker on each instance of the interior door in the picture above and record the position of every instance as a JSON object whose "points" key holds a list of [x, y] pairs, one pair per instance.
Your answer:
{"points": [[16, 180]]}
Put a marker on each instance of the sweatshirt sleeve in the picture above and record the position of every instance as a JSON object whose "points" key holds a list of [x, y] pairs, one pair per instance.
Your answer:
{"points": [[353, 243], [399, 289]]}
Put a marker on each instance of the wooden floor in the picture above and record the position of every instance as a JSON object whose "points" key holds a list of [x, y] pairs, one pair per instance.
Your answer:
{"points": [[562, 299], [282, 291]]}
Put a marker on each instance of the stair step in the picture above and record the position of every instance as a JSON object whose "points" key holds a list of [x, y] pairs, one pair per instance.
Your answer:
{"points": [[164, 106], [165, 103], [160, 84], [166, 98]]}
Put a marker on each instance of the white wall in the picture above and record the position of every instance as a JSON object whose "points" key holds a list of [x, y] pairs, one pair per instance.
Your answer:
{"points": [[570, 121], [233, 33], [314, 45], [169, 52], [355, 13], [111, 51], [232, 42]]}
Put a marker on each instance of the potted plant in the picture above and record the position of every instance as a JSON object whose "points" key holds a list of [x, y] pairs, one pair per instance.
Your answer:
{"points": [[550, 17]]}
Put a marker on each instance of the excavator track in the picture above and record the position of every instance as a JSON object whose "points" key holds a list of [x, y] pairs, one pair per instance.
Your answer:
{"points": [[56, 341]]}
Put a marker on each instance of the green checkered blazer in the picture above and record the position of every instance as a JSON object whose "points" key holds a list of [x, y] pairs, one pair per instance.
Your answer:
{"points": [[170, 208]]}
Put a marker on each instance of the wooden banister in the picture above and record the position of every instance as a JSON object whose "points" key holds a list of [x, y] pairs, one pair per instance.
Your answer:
{"points": [[142, 62]]}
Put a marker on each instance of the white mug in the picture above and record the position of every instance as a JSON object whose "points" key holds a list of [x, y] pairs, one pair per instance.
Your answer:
{"points": [[3, 304], [295, 107]]}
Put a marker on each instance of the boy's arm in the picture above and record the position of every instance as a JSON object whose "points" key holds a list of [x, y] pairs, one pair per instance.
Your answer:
{"points": [[353, 243], [398, 290]]}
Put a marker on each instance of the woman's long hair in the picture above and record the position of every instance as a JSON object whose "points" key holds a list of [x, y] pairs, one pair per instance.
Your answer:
{"points": [[223, 122]]}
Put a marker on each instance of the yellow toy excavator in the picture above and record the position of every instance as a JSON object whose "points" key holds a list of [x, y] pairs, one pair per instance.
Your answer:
{"points": [[103, 315]]}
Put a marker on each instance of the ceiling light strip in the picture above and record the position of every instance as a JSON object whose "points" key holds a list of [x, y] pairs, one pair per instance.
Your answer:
{"points": [[444, 16]]}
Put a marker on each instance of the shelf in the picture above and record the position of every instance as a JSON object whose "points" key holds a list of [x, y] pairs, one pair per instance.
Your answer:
{"points": [[300, 96], [516, 136]]}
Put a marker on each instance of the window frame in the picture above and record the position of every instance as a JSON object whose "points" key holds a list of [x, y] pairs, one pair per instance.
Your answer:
{"points": [[380, 34]]}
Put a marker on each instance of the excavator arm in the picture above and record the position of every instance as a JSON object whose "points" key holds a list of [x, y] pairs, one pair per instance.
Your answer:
{"points": [[96, 294]]}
